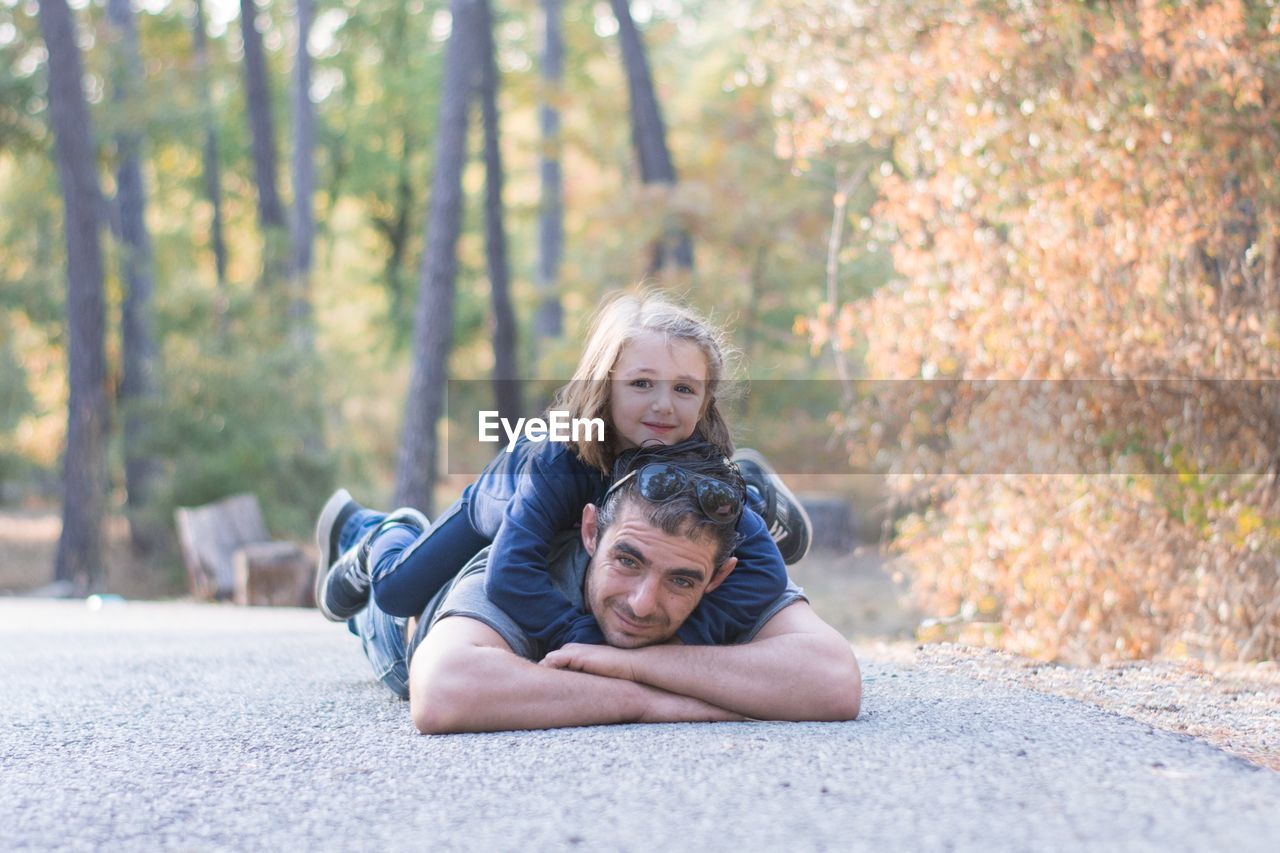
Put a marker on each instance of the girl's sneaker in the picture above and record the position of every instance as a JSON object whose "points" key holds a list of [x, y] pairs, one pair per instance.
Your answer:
{"points": [[342, 576], [786, 519]]}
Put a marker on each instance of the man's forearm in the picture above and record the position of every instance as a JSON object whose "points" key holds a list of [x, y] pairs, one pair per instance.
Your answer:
{"points": [[789, 677], [485, 689], [808, 674]]}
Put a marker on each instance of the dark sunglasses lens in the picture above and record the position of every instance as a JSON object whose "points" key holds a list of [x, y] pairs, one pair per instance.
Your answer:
{"points": [[718, 500], [660, 482]]}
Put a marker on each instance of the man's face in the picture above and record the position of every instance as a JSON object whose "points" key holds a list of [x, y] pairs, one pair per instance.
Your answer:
{"points": [[643, 583]]}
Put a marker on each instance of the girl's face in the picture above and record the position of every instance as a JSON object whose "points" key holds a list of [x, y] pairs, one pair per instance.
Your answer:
{"points": [[658, 393]]}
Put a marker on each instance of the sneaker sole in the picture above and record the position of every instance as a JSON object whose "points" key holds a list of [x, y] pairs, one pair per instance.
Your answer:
{"points": [[780, 487], [328, 529], [407, 512]]}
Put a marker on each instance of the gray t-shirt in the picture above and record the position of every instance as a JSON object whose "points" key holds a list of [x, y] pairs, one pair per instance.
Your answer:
{"points": [[465, 596]]}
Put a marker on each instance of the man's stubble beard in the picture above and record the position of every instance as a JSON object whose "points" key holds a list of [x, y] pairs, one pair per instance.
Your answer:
{"points": [[661, 634]]}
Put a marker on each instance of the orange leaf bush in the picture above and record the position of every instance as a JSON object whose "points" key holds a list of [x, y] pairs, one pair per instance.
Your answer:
{"points": [[1074, 192]]}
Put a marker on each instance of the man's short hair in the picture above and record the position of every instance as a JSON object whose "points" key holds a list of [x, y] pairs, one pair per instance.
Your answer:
{"points": [[680, 515]]}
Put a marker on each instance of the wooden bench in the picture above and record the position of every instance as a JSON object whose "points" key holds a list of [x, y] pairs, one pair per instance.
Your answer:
{"points": [[229, 554]]}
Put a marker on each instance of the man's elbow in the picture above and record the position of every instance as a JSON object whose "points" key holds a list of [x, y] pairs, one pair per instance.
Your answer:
{"points": [[848, 702], [440, 699], [433, 712], [843, 694], [433, 717]]}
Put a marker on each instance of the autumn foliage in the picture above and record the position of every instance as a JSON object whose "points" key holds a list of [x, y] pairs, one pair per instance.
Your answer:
{"points": [[1071, 191]]}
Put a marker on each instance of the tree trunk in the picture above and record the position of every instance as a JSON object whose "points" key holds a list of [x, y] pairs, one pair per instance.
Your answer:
{"points": [[79, 558], [506, 378], [212, 177], [548, 322], [262, 130], [301, 328], [649, 135], [433, 320], [137, 386], [751, 322], [304, 134], [397, 227]]}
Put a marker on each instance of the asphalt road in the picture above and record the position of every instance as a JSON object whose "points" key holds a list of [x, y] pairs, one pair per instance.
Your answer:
{"points": [[178, 726]]}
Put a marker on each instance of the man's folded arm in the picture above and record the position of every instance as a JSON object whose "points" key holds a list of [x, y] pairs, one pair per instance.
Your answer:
{"points": [[465, 678], [796, 668]]}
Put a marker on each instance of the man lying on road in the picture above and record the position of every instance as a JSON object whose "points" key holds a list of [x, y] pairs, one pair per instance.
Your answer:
{"points": [[640, 567]]}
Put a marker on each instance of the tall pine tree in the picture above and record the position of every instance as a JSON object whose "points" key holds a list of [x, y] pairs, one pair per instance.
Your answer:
{"points": [[506, 380], [212, 171], [548, 322], [649, 136], [137, 385], [433, 320], [271, 218], [79, 558]]}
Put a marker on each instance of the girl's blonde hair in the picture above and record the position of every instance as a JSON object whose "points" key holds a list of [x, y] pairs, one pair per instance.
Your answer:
{"points": [[621, 319]]}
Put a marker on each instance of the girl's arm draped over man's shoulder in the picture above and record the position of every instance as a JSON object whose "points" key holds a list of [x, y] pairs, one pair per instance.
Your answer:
{"points": [[547, 497]]}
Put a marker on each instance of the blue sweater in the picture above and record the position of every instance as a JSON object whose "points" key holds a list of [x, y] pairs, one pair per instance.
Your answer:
{"points": [[524, 498]]}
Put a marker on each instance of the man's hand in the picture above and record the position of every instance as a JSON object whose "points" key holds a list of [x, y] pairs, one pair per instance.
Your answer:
{"points": [[606, 661], [660, 706]]}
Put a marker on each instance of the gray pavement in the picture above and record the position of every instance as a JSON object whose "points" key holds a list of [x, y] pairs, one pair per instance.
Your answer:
{"points": [[194, 727]]}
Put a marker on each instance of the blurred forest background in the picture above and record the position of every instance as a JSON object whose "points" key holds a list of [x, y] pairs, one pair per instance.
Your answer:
{"points": [[244, 243]]}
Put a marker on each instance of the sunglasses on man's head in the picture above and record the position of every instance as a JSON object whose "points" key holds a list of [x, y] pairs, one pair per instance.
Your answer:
{"points": [[662, 481]]}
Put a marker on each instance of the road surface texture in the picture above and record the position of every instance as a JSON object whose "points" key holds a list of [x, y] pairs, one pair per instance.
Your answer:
{"points": [[195, 727]]}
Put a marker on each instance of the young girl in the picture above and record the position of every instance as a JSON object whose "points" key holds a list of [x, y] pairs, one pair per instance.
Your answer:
{"points": [[650, 370]]}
